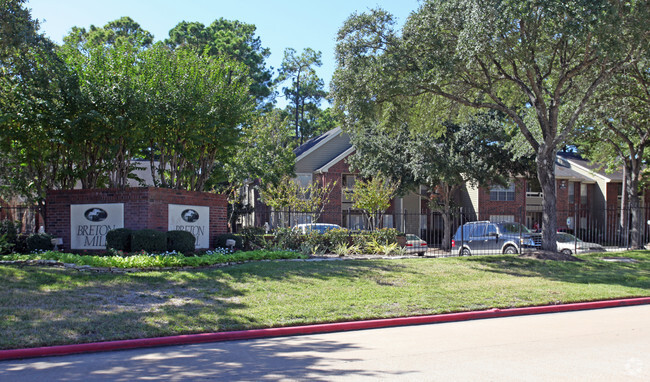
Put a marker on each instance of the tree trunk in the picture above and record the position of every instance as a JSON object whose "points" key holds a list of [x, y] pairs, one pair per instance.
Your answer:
{"points": [[632, 187], [546, 176], [446, 235], [624, 204]]}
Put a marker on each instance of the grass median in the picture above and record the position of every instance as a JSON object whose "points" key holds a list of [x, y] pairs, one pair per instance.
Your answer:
{"points": [[42, 306]]}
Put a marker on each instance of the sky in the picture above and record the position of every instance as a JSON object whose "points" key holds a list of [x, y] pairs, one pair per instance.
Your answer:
{"points": [[281, 24]]}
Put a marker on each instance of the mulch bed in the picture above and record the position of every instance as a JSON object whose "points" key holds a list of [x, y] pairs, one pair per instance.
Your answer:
{"points": [[549, 255]]}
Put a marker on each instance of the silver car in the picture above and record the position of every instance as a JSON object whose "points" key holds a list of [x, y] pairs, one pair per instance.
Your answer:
{"points": [[415, 245], [568, 244]]}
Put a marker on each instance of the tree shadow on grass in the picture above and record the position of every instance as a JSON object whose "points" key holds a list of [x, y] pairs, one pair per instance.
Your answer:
{"points": [[40, 309], [52, 306], [593, 270]]}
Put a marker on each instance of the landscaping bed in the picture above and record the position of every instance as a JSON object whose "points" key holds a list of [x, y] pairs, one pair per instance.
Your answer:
{"points": [[44, 305]]}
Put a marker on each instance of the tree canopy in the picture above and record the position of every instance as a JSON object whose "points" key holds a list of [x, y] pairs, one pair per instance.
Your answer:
{"points": [[617, 131], [471, 153], [89, 111], [234, 39], [121, 31], [36, 107], [305, 91], [539, 63]]}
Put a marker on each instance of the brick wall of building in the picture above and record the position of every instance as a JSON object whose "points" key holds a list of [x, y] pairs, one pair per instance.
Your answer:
{"points": [[145, 207], [562, 203], [332, 213], [516, 208]]}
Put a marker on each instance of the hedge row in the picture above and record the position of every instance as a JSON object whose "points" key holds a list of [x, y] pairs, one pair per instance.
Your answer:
{"points": [[12, 241], [149, 240], [315, 242]]}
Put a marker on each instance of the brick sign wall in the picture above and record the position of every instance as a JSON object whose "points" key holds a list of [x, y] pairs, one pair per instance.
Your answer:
{"points": [[142, 208]]}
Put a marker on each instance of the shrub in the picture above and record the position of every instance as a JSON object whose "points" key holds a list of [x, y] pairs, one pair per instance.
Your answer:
{"points": [[360, 240], [21, 243], [285, 238], [220, 240], [39, 242], [119, 239], [10, 229], [337, 237], [385, 236], [148, 240], [5, 245], [253, 237], [316, 243], [181, 241]]}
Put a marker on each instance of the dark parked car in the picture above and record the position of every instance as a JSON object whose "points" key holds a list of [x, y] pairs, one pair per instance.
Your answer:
{"points": [[485, 237]]}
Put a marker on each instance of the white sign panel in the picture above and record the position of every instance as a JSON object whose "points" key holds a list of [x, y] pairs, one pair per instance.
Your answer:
{"points": [[89, 224], [195, 219]]}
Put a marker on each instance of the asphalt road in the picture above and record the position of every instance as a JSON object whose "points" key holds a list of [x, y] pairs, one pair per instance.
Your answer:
{"points": [[596, 345]]}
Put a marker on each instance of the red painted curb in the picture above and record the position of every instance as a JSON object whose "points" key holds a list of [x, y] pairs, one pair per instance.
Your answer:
{"points": [[309, 329]]}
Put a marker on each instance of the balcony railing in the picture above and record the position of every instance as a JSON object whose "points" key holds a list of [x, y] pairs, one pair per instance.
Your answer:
{"points": [[534, 201]]}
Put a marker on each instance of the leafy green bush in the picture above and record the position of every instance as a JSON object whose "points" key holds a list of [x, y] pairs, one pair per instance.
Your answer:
{"points": [[5, 245], [148, 240], [316, 243], [372, 241], [385, 236], [360, 240], [253, 237], [119, 239], [21, 243], [181, 241], [345, 250], [338, 236], [220, 240], [157, 261], [10, 229], [39, 242], [285, 238]]}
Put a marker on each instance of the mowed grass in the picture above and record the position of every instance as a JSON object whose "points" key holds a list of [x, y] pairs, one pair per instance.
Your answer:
{"points": [[51, 306]]}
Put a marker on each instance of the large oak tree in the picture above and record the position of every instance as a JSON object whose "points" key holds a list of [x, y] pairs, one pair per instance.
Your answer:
{"points": [[537, 62]]}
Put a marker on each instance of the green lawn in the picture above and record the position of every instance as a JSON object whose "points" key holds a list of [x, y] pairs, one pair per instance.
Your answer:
{"points": [[49, 306]]}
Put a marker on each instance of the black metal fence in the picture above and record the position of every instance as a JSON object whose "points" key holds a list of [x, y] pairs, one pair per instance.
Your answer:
{"points": [[611, 228]]}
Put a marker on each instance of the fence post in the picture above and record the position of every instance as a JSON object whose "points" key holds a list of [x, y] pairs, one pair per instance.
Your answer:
{"points": [[462, 230], [627, 226], [575, 230], [521, 223]]}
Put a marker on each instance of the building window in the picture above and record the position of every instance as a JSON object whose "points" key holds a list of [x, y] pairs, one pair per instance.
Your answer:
{"points": [[583, 194], [388, 221], [502, 218], [347, 188], [572, 196], [503, 194], [349, 181], [303, 179]]}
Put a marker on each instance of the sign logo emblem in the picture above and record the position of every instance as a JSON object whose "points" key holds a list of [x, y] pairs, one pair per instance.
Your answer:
{"points": [[190, 216], [96, 214]]}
